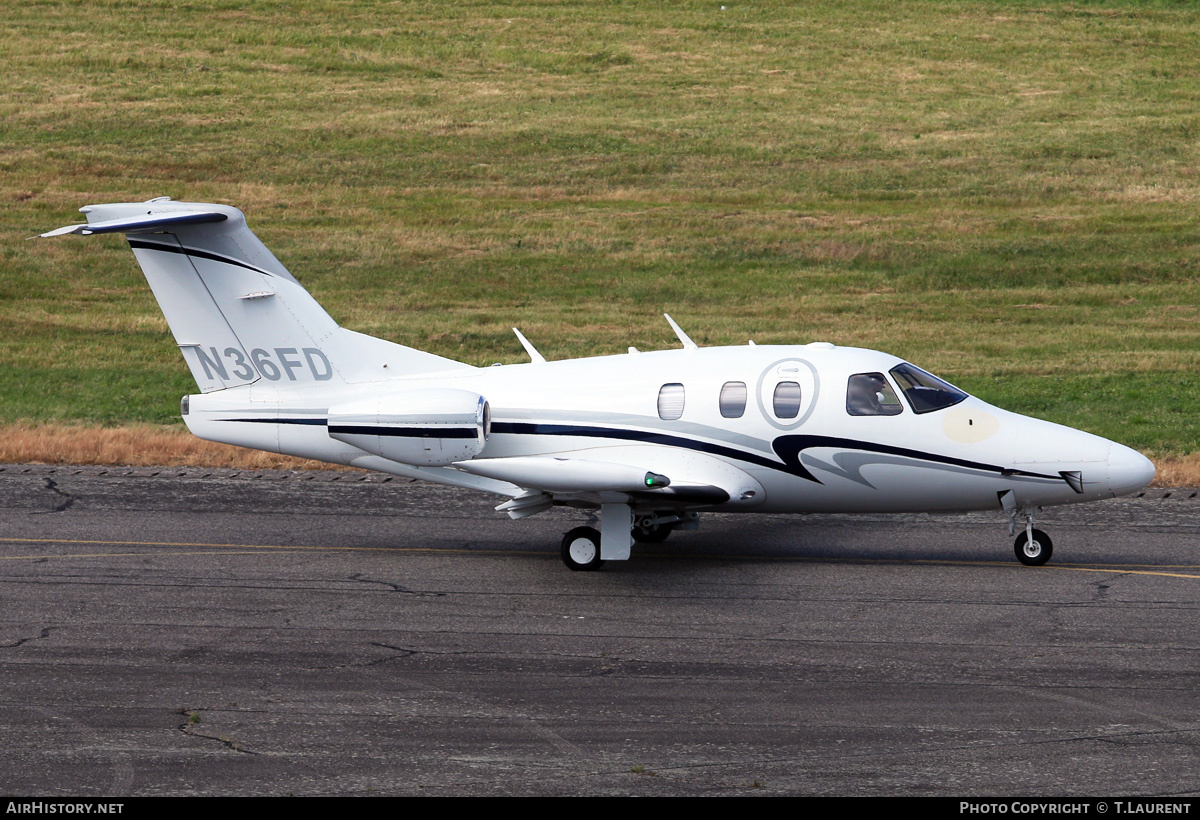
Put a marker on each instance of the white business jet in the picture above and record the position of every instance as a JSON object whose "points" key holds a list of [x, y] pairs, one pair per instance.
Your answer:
{"points": [[649, 440]]}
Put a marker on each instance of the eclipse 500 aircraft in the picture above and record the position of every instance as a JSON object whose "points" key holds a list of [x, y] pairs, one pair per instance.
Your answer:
{"points": [[650, 440]]}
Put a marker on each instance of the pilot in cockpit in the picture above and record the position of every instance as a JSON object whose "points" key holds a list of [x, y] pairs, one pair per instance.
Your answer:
{"points": [[869, 394]]}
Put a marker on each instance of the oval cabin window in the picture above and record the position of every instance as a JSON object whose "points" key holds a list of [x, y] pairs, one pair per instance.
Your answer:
{"points": [[670, 402], [733, 400], [786, 403]]}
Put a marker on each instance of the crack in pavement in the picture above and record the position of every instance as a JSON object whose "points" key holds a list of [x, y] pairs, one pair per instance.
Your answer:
{"points": [[193, 719], [45, 633], [52, 485], [397, 587], [404, 652]]}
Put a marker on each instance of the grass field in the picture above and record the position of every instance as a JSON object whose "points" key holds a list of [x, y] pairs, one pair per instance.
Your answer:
{"points": [[1001, 192]]}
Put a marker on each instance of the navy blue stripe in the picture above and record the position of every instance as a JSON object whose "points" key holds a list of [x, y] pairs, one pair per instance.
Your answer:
{"points": [[405, 432], [228, 260], [788, 448], [278, 421], [365, 430], [530, 429], [167, 221]]}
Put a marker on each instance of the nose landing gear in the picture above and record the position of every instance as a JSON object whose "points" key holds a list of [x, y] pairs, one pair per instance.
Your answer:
{"points": [[1033, 547]]}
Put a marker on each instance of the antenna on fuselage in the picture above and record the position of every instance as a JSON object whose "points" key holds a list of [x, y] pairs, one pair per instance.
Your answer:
{"points": [[534, 356], [688, 344]]}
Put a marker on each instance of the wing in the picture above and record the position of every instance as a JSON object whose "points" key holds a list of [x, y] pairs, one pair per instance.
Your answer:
{"points": [[643, 477]]}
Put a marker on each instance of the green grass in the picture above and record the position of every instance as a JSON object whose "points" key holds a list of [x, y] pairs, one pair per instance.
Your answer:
{"points": [[1002, 192]]}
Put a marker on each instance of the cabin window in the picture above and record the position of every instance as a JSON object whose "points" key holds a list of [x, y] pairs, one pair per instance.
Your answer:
{"points": [[786, 402], [869, 394], [670, 402], [924, 391], [733, 400]]}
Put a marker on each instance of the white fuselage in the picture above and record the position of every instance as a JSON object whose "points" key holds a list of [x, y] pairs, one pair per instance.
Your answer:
{"points": [[613, 411]]}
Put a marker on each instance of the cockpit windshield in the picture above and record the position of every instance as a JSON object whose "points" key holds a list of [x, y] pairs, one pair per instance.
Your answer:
{"points": [[925, 392]]}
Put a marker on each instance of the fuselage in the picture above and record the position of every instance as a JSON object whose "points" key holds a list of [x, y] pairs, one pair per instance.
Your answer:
{"points": [[776, 428]]}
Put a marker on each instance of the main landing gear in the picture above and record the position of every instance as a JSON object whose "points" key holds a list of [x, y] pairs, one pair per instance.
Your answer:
{"points": [[581, 547], [653, 528]]}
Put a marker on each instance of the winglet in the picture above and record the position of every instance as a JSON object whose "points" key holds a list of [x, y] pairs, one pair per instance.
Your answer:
{"points": [[688, 344], [534, 356]]}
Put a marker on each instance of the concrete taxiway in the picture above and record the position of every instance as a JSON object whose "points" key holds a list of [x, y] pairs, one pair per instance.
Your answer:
{"points": [[204, 632]]}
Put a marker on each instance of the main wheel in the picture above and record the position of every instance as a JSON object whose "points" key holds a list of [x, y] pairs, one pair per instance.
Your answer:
{"points": [[645, 533], [1036, 552], [581, 549]]}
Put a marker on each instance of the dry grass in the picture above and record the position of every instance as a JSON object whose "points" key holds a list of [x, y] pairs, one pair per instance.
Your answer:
{"points": [[138, 446], [1178, 472], [147, 446]]}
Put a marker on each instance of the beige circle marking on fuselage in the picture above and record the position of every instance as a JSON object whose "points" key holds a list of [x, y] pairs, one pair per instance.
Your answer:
{"points": [[968, 425]]}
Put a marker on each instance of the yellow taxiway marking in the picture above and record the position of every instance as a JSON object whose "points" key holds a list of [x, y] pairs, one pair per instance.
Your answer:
{"points": [[251, 549], [1126, 571], [226, 549]]}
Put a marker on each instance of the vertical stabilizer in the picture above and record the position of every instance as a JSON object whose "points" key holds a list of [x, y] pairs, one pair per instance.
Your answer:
{"points": [[235, 311]]}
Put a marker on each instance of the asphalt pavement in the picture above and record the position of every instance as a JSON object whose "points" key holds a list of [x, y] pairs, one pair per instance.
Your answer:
{"points": [[191, 632]]}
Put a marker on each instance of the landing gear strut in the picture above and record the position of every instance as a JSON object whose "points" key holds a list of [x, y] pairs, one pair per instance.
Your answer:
{"points": [[653, 528], [586, 548]]}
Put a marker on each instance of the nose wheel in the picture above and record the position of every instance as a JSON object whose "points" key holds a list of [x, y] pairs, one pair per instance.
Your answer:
{"points": [[1033, 548]]}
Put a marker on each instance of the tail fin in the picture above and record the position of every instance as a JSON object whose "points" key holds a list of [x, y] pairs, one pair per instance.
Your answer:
{"points": [[235, 311]]}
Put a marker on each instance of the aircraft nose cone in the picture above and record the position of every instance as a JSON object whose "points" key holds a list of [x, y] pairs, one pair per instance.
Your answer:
{"points": [[1128, 470]]}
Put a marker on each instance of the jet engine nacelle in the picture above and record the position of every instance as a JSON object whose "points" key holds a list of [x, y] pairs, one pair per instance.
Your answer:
{"points": [[433, 427]]}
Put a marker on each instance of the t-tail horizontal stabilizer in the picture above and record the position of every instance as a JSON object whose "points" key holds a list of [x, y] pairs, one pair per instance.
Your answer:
{"points": [[141, 224]]}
